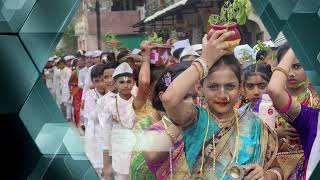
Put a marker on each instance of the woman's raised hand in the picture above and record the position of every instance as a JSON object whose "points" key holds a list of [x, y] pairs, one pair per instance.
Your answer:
{"points": [[145, 48], [215, 47]]}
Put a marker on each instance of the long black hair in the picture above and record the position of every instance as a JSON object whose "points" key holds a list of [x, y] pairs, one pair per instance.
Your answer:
{"points": [[231, 62], [164, 82], [263, 70], [282, 51]]}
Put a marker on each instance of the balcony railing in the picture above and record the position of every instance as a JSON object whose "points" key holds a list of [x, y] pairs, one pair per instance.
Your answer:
{"points": [[153, 6]]}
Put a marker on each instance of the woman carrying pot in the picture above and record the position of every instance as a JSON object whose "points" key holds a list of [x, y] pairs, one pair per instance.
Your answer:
{"points": [[219, 141]]}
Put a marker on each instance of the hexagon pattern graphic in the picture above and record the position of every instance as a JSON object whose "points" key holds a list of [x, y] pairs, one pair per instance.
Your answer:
{"points": [[299, 20], [37, 143]]}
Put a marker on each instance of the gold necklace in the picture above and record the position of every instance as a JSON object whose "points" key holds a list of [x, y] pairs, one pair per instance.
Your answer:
{"points": [[236, 150], [236, 147], [117, 109], [223, 122]]}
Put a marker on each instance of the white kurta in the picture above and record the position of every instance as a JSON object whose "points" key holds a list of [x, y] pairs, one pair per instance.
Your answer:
{"points": [[87, 82], [81, 82], [93, 132], [55, 81], [64, 91], [118, 117], [48, 74], [82, 77]]}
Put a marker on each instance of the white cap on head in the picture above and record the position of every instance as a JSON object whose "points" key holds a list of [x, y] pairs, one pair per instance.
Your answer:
{"points": [[88, 54], [180, 45], [136, 51], [69, 57], [123, 69], [188, 51], [244, 53], [97, 53], [51, 59], [57, 60], [197, 47]]}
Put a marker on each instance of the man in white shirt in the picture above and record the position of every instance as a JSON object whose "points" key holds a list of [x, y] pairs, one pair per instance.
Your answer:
{"points": [[86, 74], [81, 82], [83, 73], [93, 129], [48, 75], [117, 117], [55, 81], [95, 58], [64, 91]]}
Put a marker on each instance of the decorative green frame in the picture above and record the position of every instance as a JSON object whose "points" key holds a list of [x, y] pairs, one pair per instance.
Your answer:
{"points": [[299, 20]]}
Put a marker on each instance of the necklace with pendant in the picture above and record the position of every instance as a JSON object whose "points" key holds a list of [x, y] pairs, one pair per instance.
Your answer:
{"points": [[236, 148]]}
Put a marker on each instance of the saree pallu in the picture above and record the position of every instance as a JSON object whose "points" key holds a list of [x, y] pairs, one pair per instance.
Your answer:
{"points": [[258, 144], [138, 167], [174, 165]]}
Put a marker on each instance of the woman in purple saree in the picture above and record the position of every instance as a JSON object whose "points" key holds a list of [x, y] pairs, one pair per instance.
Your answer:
{"points": [[304, 119]]}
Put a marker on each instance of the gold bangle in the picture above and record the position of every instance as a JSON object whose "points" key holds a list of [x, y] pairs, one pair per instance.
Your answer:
{"points": [[172, 137], [198, 67], [204, 65], [277, 173], [281, 70]]}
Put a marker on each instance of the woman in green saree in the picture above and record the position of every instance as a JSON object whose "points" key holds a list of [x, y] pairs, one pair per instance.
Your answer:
{"points": [[219, 142], [144, 111]]}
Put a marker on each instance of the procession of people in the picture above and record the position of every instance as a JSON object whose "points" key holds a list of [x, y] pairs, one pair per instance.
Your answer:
{"points": [[214, 110]]}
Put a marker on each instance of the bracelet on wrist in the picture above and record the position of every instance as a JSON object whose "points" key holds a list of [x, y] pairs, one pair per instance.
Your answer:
{"points": [[276, 172], [281, 70], [198, 66], [204, 65]]}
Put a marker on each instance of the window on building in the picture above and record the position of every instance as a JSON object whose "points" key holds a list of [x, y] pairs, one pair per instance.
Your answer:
{"points": [[126, 5], [259, 36]]}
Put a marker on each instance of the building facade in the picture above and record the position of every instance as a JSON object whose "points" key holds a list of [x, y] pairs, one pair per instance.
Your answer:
{"points": [[116, 17], [189, 19]]}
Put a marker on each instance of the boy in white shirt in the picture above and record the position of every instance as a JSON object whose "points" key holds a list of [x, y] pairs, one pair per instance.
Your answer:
{"points": [[118, 118], [93, 129], [63, 94]]}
